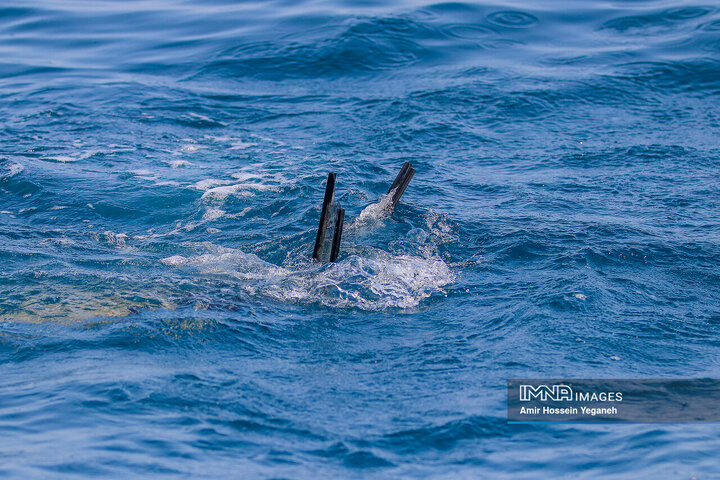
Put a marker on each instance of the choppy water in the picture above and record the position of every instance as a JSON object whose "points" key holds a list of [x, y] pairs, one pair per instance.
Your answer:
{"points": [[161, 171]]}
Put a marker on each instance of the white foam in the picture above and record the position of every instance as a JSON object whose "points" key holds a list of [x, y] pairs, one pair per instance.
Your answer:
{"points": [[383, 281], [236, 143], [209, 183], [145, 174], [70, 158], [11, 170], [228, 262], [374, 281], [205, 118], [190, 148], [375, 211], [175, 260], [239, 189], [117, 239], [244, 176], [60, 159], [121, 148], [178, 163], [252, 179], [213, 214], [255, 173]]}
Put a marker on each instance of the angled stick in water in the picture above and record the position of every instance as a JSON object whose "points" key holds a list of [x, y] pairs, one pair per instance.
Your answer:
{"points": [[400, 184], [337, 236]]}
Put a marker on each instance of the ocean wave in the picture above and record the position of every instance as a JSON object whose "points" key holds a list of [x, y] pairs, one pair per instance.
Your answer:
{"points": [[360, 46], [658, 22], [8, 170], [375, 280]]}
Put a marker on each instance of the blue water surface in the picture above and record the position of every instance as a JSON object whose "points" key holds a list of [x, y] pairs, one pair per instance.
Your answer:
{"points": [[162, 165]]}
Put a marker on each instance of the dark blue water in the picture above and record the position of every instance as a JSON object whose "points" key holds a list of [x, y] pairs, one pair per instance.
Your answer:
{"points": [[161, 173]]}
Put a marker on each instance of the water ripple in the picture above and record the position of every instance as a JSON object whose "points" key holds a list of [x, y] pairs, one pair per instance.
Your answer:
{"points": [[469, 31], [512, 19]]}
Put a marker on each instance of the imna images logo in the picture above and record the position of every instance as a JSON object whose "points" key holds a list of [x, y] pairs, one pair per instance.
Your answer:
{"points": [[555, 393]]}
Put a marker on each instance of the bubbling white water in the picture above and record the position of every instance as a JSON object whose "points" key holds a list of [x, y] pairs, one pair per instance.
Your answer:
{"points": [[376, 280]]}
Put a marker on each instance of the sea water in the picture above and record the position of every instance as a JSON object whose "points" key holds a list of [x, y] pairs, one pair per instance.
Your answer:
{"points": [[161, 176]]}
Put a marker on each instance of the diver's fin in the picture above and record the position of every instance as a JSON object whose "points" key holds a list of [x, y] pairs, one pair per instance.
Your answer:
{"points": [[400, 184], [337, 235], [324, 215]]}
